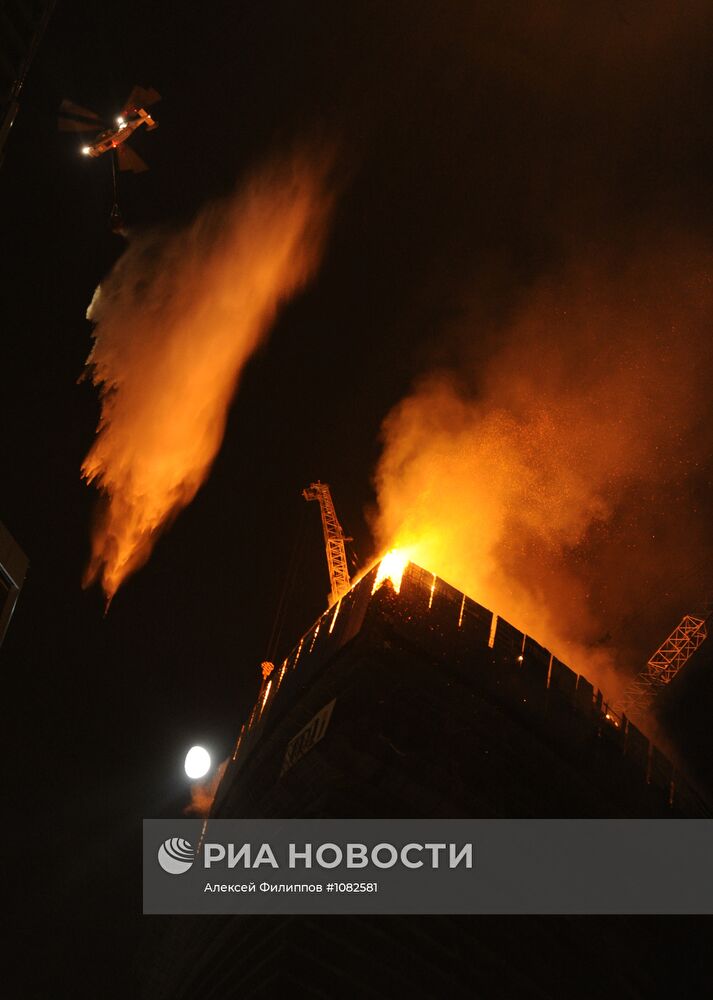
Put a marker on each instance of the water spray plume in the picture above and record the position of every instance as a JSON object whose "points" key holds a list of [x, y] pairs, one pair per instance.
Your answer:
{"points": [[176, 321]]}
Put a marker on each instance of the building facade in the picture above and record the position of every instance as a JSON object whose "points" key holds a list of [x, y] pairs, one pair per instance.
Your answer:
{"points": [[425, 703], [420, 702]]}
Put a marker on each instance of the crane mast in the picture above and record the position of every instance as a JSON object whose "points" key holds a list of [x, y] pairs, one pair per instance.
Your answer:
{"points": [[334, 540], [662, 667]]}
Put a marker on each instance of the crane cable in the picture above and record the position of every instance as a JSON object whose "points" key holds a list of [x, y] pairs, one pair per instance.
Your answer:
{"points": [[115, 220]]}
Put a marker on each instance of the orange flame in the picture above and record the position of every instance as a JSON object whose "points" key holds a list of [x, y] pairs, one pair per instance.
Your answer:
{"points": [[176, 321], [391, 567]]}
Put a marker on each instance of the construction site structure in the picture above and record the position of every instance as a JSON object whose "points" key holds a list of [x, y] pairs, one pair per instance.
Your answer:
{"points": [[334, 539], [671, 656], [22, 25], [418, 701], [407, 699]]}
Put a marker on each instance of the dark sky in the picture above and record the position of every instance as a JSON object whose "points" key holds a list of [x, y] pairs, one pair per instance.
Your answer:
{"points": [[478, 143]]}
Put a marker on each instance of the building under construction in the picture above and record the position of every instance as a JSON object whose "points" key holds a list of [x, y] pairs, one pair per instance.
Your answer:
{"points": [[404, 699], [423, 703]]}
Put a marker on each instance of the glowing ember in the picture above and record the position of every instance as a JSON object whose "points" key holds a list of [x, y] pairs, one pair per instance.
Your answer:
{"points": [[391, 568]]}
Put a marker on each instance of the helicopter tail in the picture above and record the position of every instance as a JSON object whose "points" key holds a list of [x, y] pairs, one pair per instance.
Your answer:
{"points": [[151, 123]]}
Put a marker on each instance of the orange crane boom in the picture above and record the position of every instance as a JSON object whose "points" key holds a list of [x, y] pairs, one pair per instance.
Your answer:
{"points": [[334, 540]]}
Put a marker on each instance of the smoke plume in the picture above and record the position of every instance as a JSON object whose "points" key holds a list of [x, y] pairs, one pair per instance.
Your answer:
{"points": [[176, 321], [203, 792], [556, 482]]}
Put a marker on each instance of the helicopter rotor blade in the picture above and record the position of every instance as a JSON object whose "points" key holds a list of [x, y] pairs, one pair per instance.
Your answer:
{"points": [[141, 97], [128, 159], [76, 109], [70, 125]]}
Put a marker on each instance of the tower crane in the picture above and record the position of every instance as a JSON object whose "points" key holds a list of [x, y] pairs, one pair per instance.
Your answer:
{"points": [[671, 656], [334, 539]]}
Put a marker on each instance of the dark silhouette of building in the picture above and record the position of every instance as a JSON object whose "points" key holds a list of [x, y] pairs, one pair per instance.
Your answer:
{"points": [[440, 709], [424, 703]]}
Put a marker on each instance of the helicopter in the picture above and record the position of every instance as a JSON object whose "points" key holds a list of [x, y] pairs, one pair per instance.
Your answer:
{"points": [[112, 138]]}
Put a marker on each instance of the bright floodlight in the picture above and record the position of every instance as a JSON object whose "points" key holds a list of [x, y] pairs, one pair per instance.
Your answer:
{"points": [[197, 762], [86, 150], [120, 121]]}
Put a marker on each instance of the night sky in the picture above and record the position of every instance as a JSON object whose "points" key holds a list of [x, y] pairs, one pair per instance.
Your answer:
{"points": [[476, 143]]}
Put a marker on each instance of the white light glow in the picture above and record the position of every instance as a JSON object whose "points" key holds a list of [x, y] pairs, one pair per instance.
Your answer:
{"points": [[86, 150], [120, 121], [197, 763]]}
